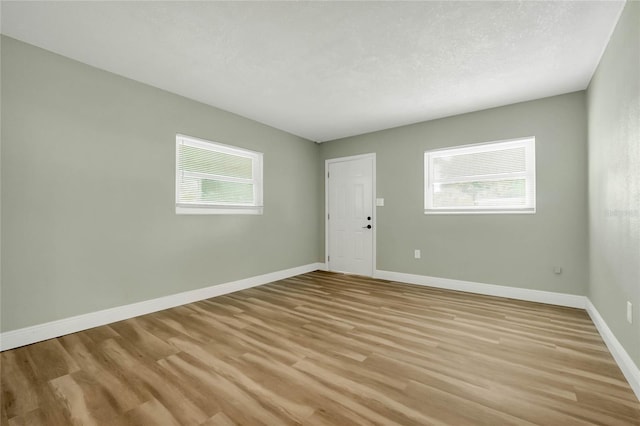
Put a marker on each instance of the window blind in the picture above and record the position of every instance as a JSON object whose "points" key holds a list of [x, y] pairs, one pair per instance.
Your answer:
{"points": [[490, 178], [215, 175]]}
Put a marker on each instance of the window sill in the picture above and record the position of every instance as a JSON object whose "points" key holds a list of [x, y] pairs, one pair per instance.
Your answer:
{"points": [[218, 210], [518, 211]]}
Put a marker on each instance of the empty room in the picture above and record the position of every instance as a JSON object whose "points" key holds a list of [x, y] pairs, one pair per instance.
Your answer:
{"points": [[320, 213]]}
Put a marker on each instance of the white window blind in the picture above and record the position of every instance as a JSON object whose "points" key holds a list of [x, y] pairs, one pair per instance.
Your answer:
{"points": [[497, 177], [212, 178]]}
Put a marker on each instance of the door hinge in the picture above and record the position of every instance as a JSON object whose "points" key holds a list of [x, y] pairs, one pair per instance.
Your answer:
{"points": [[328, 258], [328, 216], [328, 175]]}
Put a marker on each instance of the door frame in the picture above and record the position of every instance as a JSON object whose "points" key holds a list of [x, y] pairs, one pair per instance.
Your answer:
{"points": [[373, 205]]}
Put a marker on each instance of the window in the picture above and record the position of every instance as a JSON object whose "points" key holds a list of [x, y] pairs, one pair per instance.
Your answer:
{"points": [[496, 177], [212, 178]]}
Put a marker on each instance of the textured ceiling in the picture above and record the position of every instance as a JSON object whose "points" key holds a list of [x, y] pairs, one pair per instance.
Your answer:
{"points": [[326, 70]]}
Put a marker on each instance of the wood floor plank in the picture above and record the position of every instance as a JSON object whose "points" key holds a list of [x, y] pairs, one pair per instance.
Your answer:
{"points": [[220, 419], [151, 413], [326, 349]]}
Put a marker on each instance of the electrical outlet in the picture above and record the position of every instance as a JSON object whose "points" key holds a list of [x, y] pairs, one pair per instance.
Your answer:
{"points": [[629, 313], [416, 254]]}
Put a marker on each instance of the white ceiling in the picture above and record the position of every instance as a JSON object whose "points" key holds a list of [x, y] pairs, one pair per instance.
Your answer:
{"points": [[326, 70]]}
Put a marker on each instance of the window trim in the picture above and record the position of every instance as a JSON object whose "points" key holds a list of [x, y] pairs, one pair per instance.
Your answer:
{"points": [[221, 207], [529, 143]]}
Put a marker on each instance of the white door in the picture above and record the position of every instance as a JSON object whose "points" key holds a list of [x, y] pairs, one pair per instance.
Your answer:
{"points": [[350, 222]]}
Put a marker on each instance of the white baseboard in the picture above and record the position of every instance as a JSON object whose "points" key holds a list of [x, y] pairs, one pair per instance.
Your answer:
{"points": [[561, 299], [25, 336], [629, 368]]}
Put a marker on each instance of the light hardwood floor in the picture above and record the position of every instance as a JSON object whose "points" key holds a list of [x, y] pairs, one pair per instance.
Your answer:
{"points": [[326, 349]]}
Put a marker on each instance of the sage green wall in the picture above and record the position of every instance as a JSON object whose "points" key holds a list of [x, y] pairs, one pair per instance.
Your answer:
{"points": [[518, 250], [614, 181], [88, 213]]}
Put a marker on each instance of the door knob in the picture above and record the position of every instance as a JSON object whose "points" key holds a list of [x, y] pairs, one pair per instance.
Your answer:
{"points": [[366, 227]]}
